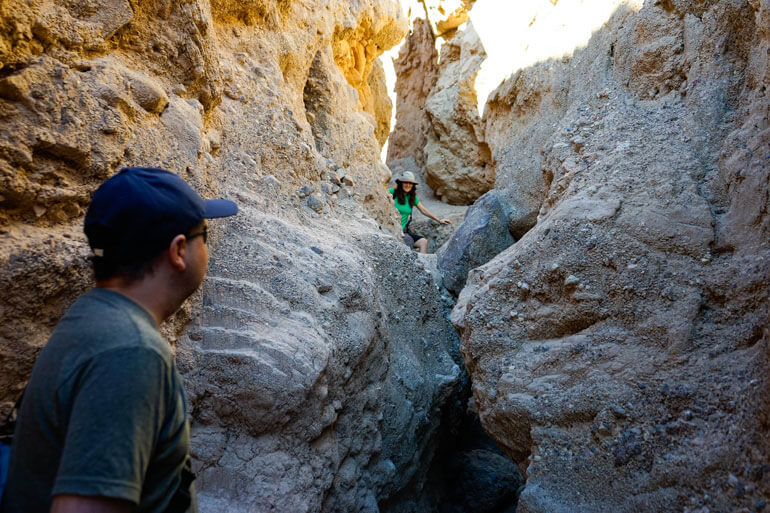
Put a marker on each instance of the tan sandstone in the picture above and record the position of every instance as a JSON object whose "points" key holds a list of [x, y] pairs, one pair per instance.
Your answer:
{"points": [[458, 163]]}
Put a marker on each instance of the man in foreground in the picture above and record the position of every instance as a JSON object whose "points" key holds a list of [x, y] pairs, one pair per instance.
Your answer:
{"points": [[103, 424]]}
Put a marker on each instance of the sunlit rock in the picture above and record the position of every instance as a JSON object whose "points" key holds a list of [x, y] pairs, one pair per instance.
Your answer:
{"points": [[458, 163], [416, 74]]}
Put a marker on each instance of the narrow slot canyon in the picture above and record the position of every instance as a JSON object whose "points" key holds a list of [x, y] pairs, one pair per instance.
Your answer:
{"points": [[590, 329]]}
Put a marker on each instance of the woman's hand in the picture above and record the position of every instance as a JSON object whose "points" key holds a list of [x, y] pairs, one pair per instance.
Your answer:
{"points": [[444, 221]]}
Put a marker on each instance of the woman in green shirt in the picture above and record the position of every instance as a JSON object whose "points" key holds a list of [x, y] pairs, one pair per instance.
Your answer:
{"points": [[405, 199]]}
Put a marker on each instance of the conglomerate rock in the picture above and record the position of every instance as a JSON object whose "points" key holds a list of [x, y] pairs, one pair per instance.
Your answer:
{"points": [[318, 359], [620, 350], [457, 160]]}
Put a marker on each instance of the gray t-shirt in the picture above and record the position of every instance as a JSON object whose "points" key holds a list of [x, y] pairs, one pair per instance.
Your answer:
{"points": [[104, 412]]}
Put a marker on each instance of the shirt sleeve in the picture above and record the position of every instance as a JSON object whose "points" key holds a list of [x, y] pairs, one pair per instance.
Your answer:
{"points": [[118, 406], [416, 201]]}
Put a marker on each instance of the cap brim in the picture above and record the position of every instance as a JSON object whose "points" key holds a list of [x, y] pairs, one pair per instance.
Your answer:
{"points": [[220, 208], [407, 181]]}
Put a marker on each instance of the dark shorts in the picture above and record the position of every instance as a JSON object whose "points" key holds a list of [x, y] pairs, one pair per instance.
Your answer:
{"points": [[414, 236]]}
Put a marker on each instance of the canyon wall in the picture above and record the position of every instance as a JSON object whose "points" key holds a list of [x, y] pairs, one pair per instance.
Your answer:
{"points": [[417, 71], [318, 360], [620, 349]]}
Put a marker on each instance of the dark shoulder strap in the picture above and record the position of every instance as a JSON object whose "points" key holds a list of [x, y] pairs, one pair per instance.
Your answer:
{"points": [[182, 498], [8, 426]]}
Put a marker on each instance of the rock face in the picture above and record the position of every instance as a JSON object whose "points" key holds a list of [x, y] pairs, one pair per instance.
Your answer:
{"points": [[313, 384], [518, 117], [458, 162], [625, 338], [308, 391], [381, 105], [417, 72], [482, 235]]}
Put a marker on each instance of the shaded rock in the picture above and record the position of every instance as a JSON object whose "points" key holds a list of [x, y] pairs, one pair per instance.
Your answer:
{"points": [[486, 482], [315, 201], [482, 235]]}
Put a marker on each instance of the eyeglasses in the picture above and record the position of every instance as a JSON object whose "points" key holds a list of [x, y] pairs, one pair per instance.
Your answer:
{"points": [[203, 233]]}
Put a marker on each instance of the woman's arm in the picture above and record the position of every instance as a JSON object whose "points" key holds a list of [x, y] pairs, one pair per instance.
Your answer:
{"points": [[87, 504], [428, 213]]}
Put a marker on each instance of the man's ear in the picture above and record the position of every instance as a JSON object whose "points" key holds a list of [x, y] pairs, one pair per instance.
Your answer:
{"points": [[176, 253]]}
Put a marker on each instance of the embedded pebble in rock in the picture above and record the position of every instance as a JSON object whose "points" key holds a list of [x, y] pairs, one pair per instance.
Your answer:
{"points": [[315, 202], [306, 191]]}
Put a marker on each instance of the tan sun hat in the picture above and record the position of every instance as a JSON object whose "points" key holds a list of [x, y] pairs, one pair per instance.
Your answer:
{"points": [[407, 176]]}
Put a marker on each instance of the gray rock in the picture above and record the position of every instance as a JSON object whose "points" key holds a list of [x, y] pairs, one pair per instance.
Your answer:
{"points": [[330, 188], [486, 482], [482, 235], [305, 191], [316, 202]]}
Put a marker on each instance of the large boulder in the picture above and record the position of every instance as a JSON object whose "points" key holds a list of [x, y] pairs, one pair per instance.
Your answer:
{"points": [[457, 159], [313, 384], [480, 237], [307, 391]]}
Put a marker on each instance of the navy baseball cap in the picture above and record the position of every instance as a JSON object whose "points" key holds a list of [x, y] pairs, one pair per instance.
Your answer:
{"points": [[137, 212]]}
